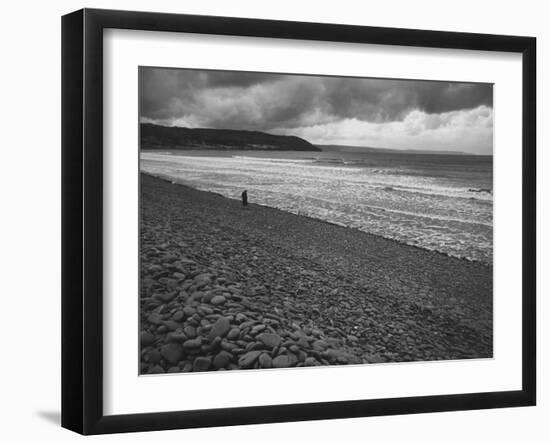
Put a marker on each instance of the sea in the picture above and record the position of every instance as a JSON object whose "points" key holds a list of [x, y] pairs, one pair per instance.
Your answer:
{"points": [[437, 202]]}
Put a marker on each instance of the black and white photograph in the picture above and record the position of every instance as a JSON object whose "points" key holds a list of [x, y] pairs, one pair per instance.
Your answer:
{"points": [[292, 221]]}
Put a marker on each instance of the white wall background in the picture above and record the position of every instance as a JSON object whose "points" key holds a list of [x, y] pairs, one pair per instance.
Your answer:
{"points": [[30, 219]]}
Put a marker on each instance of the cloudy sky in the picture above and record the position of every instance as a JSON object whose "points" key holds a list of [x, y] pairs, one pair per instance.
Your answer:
{"points": [[399, 114]]}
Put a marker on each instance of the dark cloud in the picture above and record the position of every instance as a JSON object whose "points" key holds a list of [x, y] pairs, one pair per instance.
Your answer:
{"points": [[259, 101]]}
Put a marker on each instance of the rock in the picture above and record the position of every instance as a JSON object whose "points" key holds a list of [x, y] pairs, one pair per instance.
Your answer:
{"points": [[269, 339], [190, 331], [172, 353], [233, 334], [176, 337], [146, 338], [172, 325], [195, 296], [220, 328], [320, 345], [258, 328], [187, 367], [248, 359], [240, 318], [202, 278], [311, 361], [255, 345], [292, 359], [376, 358], [155, 318], [281, 361], [228, 346], [222, 359], [153, 356], [201, 364], [178, 316], [265, 360], [167, 296], [189, 311], [173, 370], [193, 344], [179, 275], [156, 370], [205, 310], [218, 300]]}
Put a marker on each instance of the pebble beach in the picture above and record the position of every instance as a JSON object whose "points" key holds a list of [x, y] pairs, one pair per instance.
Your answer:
{"points": [[223, 288]]}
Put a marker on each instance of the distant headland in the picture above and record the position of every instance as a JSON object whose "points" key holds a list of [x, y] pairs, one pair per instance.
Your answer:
{"points": [[172, 137]]}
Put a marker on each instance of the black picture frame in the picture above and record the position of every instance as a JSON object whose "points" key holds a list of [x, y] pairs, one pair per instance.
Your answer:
{"points": [[82, 218]]}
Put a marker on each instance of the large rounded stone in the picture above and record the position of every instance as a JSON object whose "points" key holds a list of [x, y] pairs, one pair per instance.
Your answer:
{"points": [[156, 370], [265, 360], [234, 334], [218, 300], [201, 364], [155, 318], [222, 359], [248, 359], [172, 353], [153, 356], [220, 328], [270, 340], [146, 338], [176, 336], [190, 345], [281, 361]]}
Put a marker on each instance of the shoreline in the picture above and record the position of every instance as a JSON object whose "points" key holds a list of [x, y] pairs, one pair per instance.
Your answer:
{"points": [[222, 287], [434, 251]]}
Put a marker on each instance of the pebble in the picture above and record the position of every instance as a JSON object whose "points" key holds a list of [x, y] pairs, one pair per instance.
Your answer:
{"points": [[187, 367], [189, 311], [153, 356], [258, 328], [178, 316], [218, 300], [167, 296], [265, 360], [146, 338], [172, 325], [156, 370], [176, 336], [248, 359], [220, 328], [192, 344], [269, 339], [376, 358], [222, 359], [233, 334], [190, 331], [320, 345], [281, 361], [201, 364], [172, 353], [311, 361], [240, 318], [155, 318]]}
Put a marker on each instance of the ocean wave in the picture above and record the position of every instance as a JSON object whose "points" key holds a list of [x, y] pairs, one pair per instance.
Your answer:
{"points": [[467, 193]]}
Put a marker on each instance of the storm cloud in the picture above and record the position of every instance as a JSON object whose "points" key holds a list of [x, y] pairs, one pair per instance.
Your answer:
{"points": [[319, 106]]}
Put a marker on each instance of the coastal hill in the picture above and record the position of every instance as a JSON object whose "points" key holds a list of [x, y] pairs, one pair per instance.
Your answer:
{"points": [[166, 137], [347, 148]]}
